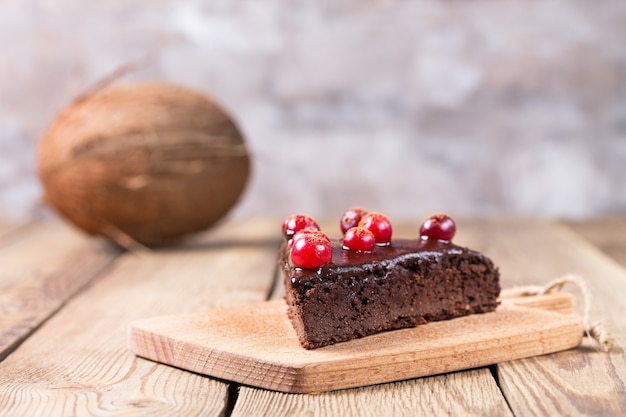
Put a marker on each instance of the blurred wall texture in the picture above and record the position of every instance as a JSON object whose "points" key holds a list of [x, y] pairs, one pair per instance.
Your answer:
{"points": [[475, 107]]}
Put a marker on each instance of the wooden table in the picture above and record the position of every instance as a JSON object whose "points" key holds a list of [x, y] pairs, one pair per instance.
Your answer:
{"points": [[66, 301]]}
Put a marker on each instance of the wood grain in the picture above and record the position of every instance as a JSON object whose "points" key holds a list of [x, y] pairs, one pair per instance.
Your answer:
{"points": [[607, 234], [581, 382], [256, 345], [41, 266], [469, 393], [77, 363], [559, 302]]}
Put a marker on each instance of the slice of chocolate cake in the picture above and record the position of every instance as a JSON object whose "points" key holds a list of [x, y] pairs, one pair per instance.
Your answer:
{"points": [[404, 283]]}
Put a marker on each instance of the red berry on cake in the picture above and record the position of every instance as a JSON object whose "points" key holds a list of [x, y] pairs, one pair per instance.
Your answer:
{"points": [[311, 250], [359, 239], [297, 222], [351, 218], [302, 232], [438, 226], [379, 225]]}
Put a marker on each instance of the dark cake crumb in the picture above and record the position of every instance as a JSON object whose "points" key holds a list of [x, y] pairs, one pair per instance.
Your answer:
{"points": [[405, 284]]}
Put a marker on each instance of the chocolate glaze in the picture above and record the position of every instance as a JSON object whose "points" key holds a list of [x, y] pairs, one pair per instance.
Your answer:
{"points": [[350, 262]]}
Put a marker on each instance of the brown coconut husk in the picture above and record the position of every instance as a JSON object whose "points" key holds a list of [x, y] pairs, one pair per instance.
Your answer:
{"points": [[150, 162]]}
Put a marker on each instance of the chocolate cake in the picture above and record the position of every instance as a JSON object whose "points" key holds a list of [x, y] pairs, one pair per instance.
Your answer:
{"points": [[405, 283]]}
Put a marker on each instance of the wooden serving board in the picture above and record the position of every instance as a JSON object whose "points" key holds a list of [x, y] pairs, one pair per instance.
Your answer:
{"points": [[256, 345]]}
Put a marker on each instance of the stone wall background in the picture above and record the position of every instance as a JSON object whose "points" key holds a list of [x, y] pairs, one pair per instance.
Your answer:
{"points": [[476, 107]]}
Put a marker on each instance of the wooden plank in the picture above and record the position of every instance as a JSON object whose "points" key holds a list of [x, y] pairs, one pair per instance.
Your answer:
{"points": [[585, 381], [103, 380], [256, 345], [607, 234], [469, 393], [78, 363], [559, 302], [42, 266]]}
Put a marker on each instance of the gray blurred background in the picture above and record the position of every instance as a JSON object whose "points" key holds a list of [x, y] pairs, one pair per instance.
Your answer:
{"points": [[477, 108]]}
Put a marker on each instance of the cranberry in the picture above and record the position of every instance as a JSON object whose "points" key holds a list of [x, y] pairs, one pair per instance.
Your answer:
{"points": [[301, 232], [351, 218], [297, 222], [379, 225], [311, 250], [438, 226], [359, 239]]}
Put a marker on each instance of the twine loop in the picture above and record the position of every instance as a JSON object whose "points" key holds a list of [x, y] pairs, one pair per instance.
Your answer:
{"points": [[597, 331]]}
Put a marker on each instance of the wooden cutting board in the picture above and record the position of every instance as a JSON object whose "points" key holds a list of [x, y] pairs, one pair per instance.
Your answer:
{"points": [[256, 345]]}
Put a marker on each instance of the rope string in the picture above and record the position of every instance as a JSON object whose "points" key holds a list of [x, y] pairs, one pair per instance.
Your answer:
{"points": [[596, 330]]}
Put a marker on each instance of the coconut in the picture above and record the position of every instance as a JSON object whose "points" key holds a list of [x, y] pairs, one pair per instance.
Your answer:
{"points": [[148, 163]]}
